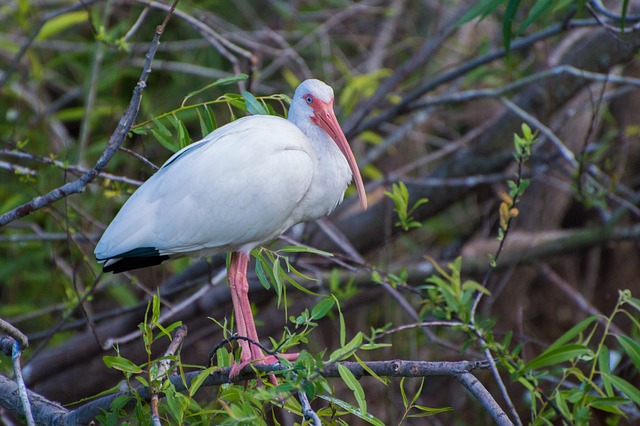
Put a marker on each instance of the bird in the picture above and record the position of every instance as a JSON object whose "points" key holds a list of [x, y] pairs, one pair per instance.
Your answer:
{"points": [[238, 188]]}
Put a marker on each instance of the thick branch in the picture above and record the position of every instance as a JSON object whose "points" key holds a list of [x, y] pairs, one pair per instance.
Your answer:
{"points": [[47, 412]]}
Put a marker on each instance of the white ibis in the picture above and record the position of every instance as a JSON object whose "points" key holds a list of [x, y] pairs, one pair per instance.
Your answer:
{"points": [[241, 186]]}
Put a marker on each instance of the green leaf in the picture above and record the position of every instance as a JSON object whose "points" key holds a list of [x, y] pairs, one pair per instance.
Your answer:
{"points": [[218, 83], [253, 105], [235, 100], [301, 249], [623, 17], [605, 367], [199, 379], [557, 356], [260, 273], [298, 286], [61, 23], [277, 280], [625, 387], [176, 404], [635, 303], [343, 335], [121, 364], [322, 308], [372, 373], [472, 285], [540, 8], [183, 134], [507, 23], [573, 332], [481, 10], [346, 350], [429, 411], [403, 394], [632, 349], [164, 136], [353, 410], [353, 384], [166, 331], [610, 405]]}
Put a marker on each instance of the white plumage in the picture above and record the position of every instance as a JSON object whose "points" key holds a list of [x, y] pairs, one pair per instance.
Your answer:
{"points": [[241, 186]]}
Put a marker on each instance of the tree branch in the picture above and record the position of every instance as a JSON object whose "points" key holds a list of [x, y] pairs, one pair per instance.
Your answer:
{"points": [[46, 412]]}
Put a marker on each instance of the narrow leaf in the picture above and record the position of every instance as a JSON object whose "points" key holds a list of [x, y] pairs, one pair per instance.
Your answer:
{"points": [[507, 23], [322, 308], [481, 10], [372, 373], [632, 349], [605, 367], [353, 410], [353, 384], [429, 411], [121, 364], [403, 394], [301, 249], [199, 380], [253, 105], [573, 332], [218, 83], [625, 387], [540, 8], [610, 405], [61, 23], [261, 275], [346, 350], [557, 356]]}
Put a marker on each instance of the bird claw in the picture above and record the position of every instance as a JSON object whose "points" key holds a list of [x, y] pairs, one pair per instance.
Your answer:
{"points": [[236, 368]]}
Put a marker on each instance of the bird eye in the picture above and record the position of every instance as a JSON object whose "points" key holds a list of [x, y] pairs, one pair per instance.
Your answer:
{"points": [[309, 99]]}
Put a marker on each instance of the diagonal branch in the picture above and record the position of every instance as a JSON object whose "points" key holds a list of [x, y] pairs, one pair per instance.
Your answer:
{"points": [[116, 139]]}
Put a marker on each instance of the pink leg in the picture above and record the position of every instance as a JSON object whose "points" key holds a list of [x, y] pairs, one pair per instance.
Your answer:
{"points": [[242, 308], [237, 279], [237, 275]]}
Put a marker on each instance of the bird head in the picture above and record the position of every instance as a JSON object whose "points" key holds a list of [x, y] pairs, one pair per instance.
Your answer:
{"points": [[317, 98]]}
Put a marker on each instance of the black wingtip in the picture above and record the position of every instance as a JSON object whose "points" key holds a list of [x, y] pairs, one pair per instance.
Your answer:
{"points": [[134, 262], [140, 257]]}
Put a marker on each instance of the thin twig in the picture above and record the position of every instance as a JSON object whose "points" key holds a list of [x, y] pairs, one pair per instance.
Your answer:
{"points": [[163, 370], [16, 334], [307, 411], [473, 385], [76, 169], [498, 92], [22, 389]]}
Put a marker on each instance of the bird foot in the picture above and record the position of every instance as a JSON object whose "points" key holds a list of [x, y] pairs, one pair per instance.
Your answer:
{"points": [[236, 368]]}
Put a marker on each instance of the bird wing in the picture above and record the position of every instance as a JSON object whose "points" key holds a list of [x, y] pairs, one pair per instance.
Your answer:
{"points": [[237, 188]]}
